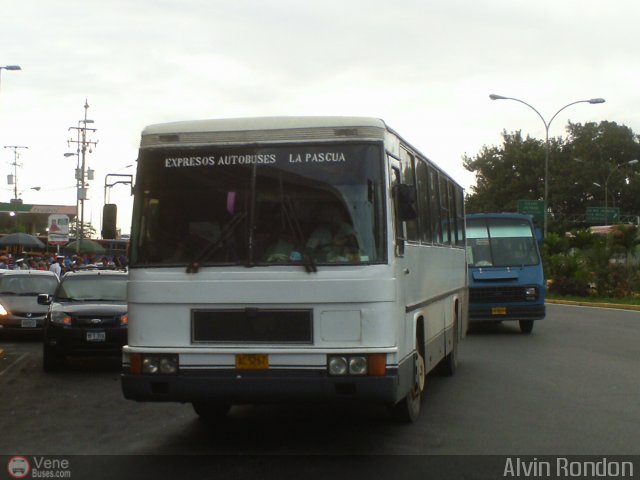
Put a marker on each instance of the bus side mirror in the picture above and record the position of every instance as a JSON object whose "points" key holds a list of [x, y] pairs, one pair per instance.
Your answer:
{"points": [[405, 196], [109, 216]]}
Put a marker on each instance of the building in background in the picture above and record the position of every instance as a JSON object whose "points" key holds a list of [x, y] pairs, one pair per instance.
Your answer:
{"points": [[32, 219]]}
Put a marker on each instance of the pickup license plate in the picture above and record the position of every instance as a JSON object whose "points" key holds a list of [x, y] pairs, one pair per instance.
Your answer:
{"points": [[96, 336], [28, 323], [252, 361], [499, 311]]}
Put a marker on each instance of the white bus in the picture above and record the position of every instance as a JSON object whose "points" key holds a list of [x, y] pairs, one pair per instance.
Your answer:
{"points": [[291, 259]]}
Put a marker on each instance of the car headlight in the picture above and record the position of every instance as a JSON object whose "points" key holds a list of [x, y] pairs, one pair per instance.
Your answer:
{"points": [[531, 293], [3, 311], [60, 318]]}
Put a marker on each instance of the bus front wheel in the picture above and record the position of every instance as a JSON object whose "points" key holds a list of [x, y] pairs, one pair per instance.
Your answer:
{"points": [[211, 411], [407, 410], [526, 326]]}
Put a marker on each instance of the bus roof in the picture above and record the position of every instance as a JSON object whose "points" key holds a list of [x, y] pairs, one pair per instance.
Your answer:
{"points": [[261, 123]]}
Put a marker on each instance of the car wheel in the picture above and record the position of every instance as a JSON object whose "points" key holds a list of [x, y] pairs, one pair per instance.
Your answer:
{"points": [[51, 360]]}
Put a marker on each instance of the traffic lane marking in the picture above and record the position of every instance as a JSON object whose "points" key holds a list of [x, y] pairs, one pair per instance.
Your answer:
{"points": [[13, 364]]}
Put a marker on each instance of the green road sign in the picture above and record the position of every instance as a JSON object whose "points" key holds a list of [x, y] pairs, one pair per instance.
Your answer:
{"points": [[609, 215], [535, 208]]}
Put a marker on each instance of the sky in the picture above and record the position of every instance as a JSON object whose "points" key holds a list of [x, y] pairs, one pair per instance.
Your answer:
{"points": [[426, 67]]}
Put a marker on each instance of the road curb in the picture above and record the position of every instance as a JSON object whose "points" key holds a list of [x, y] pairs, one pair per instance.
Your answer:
{"points": [[593, 304]]}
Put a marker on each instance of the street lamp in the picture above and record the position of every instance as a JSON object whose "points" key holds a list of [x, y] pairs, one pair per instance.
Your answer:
{"points": [[547, 124], [81, 169], [606, 188], [9, 67]]}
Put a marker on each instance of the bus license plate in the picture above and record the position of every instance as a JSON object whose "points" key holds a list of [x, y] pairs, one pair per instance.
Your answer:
{"points": [[499, 311], [28, 323], [96, 336], [252, 361]]}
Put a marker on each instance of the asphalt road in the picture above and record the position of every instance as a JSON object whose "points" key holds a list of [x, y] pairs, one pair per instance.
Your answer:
{"points": [[572, 387]]}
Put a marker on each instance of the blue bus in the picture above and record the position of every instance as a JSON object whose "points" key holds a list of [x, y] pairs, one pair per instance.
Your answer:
{"points": [[506, 280]]}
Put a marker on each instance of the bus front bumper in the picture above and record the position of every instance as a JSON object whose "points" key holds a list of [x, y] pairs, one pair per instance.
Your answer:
{"points": [[490, 313], [277, 386]]}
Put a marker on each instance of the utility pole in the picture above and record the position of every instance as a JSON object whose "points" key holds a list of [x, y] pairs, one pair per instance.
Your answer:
{"points": [[81, 173], [15, 171]]}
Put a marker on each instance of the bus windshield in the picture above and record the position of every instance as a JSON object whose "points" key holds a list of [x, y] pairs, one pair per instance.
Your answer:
{"points": [[251, 205], [500, 242]]}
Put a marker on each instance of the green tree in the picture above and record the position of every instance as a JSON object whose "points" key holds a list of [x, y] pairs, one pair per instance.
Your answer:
{"points": [[506, 174], [590, 154], [89, 231]]}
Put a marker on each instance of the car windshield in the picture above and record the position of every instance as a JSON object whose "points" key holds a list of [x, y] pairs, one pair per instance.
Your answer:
{"points": [[27, 284], [93, 288], [303, 205], [497, 242]]}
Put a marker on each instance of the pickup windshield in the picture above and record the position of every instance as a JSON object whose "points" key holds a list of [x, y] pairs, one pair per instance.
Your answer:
{"points": [[248, 206], [92, 289]]}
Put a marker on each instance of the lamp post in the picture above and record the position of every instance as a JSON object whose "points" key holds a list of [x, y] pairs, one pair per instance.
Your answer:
{"points": [[606, 188], [81, 169], [15, 170], [547, 124], [9, 67], [77, 155]]}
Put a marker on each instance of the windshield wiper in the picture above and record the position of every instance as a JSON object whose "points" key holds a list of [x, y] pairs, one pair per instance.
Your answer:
{"points": [[214, 246], [8, 293], [293, 223]]}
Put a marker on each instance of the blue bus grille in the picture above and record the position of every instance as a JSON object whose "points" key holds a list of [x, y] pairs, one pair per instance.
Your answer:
{"points": [[497, 295]]}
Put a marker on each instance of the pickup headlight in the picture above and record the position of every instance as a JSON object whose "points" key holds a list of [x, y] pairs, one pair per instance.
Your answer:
{"points": [[60, 318]]}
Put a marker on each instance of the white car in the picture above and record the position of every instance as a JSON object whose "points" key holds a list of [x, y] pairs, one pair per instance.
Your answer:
{"points": [[19, 308]]}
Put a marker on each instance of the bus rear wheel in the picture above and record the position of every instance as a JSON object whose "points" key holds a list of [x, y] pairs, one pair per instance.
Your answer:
{"points": [[526, 326], [407, 410], [211, 411], [449, 363]]}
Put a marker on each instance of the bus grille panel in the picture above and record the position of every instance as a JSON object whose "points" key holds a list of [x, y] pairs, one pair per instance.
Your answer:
{"points": [[497, 295], [252, 325]]}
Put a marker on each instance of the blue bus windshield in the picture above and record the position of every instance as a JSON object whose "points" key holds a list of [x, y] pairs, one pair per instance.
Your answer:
{"points": [[500, 242]]}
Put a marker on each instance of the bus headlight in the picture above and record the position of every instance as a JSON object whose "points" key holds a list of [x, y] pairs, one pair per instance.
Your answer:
{"points": [[160, 364], [338, 366], [358, 366], [341, 365]]}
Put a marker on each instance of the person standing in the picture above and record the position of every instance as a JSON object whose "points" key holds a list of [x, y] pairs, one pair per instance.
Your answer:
{"points": [[56, 267]]}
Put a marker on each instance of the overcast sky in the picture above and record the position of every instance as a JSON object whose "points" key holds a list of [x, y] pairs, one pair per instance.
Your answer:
{"points": [[425, 67]]}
